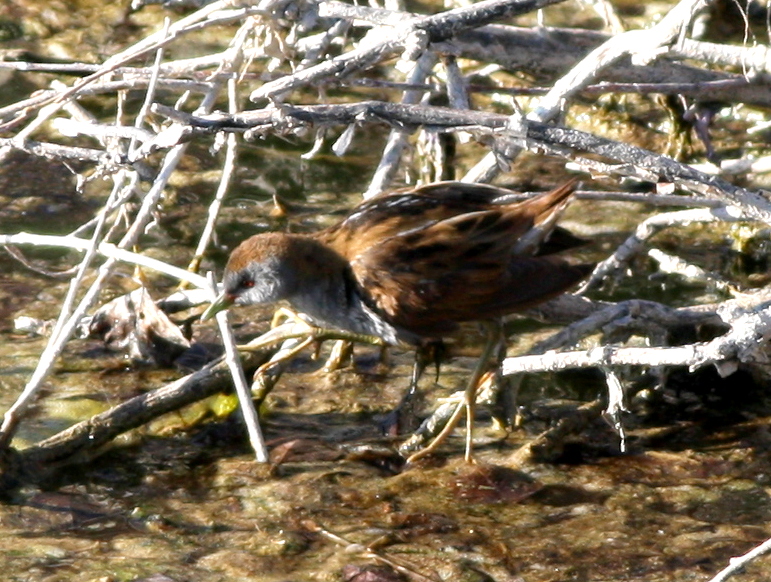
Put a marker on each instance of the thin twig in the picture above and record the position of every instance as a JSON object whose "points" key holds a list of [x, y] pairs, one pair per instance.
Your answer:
{"points": [[248, 411], [397, 139], [633, 160], [409, 569], [641, 43], [736, 565], [381, 44], [648, 228]]}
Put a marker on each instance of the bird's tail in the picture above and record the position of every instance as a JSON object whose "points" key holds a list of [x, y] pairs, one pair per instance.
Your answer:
{"points": [[545, 210]]}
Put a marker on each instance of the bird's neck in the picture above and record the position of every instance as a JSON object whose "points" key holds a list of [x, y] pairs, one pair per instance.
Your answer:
{"points": [[327, 291]]}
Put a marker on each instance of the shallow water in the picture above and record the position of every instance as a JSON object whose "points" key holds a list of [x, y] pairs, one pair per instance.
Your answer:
{"points": [[182, 499]]}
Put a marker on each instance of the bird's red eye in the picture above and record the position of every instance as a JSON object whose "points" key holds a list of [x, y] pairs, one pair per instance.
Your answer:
{"points": [[248, 284]]}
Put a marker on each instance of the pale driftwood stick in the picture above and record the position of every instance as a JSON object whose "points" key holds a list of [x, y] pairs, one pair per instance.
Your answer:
{"points": [[645, 318], [743, 343], [753, 59], [631, 316], [736, 565], [674, 265], [649, 199], [25, 66], [84, 117], [232, 60], [44, 114], [228, 169], [648, 228], [107, 250], [551, 361], [597, 168], [233, 361], [698, 89], [616, 406], [703, 90], [364, 14], [640, 44], [315, 47], [55, 151], [381, 44], [36, 268], [91, 251], [457, 87], [190, 23], [200, 19], [748, 165], [59, 96], [18, 111], [127, 192], [605, 9], [397, 140], [168, 69], [753, 204], [645, 45], [72, 128], [149, 96]]}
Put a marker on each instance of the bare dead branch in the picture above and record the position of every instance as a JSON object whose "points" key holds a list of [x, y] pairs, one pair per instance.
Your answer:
{"points": [[289, 118]]}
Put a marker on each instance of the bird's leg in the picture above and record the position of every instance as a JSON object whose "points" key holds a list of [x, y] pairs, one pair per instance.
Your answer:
{"points": [[293, 336], [307, 334], [286, 354], [284, 314], [339, 357], [499, 393], [493, 333], [394, 422], [342, 350], [342, 354]]}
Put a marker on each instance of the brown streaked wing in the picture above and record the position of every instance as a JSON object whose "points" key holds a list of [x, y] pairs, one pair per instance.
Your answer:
{"points": [[426, 275], [430, 305], [393, 213], [428, 279]]}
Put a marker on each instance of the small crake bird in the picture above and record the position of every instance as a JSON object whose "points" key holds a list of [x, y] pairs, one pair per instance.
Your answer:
{"points": [[408, 266]]}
